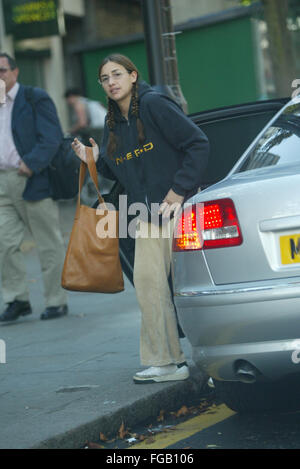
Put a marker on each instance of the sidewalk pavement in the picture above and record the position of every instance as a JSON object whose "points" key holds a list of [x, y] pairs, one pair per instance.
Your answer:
{"points": [[67, 380]]}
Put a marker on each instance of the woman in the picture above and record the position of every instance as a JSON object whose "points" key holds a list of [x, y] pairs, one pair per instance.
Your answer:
{"points": [[159, 156]]}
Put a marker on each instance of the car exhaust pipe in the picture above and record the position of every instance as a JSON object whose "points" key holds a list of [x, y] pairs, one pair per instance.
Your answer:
{"points": [[246, 373]]}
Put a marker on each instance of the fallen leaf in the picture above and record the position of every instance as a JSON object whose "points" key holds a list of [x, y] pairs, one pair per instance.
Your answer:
{"points": [[102, 437], [183, 411], [91, 445], [122, 431]]}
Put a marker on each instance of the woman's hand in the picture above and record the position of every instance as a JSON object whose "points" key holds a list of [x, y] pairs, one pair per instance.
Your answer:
{"points": [[171, 203], [79, 149]]}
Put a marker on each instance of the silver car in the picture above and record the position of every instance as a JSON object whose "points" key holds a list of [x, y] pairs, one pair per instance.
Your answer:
{"points": [[236, 268]]}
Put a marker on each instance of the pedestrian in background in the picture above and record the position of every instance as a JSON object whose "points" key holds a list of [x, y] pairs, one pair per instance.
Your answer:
{"points": [[87, 120], [159, 156], [29, 139], [87, 116]]}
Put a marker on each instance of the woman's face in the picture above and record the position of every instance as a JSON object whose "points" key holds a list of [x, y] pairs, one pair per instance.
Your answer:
{"points": [[117, 82]]}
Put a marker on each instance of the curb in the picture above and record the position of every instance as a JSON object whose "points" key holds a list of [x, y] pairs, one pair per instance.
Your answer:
{"points": [[173, 396]]}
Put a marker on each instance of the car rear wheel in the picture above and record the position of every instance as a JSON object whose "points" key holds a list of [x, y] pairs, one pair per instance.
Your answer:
{"points": [[254, 397]]}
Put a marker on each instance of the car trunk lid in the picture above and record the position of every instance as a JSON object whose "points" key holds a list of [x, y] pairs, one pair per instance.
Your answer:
{"points": [[270, 226]]}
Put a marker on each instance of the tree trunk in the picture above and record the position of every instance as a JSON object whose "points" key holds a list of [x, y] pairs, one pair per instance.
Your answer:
{"points": [[281, 50]]}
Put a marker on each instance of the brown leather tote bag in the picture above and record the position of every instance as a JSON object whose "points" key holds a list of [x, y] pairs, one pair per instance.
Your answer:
{"points": [[92, 262]]}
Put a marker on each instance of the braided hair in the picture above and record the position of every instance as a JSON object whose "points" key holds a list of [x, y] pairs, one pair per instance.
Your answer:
{"points": [[112, 139]]}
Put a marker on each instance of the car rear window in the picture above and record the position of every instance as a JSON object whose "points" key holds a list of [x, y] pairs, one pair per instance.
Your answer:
{"points": [[279, 144]]}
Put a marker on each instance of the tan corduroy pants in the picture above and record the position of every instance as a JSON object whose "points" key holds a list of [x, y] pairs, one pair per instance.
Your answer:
{"points": [[159, 340], [42, 220]]}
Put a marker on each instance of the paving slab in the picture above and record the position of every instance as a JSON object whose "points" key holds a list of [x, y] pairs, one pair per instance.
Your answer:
{"points": [[67, 380]]}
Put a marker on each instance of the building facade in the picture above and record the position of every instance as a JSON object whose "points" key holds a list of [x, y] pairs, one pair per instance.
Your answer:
{"points": [[41, 60], [222, 48]]}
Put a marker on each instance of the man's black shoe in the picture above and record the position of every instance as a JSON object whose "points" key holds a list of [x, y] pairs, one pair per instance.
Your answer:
{"points": [[16, 309], [53, 312]]}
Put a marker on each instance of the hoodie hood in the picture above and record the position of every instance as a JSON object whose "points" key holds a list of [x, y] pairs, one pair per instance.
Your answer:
{"points": [[143, 88]]}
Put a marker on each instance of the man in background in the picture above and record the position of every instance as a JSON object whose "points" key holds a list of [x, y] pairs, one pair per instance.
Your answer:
{"points": [[87, 120], [87, 116], [29, 139]]}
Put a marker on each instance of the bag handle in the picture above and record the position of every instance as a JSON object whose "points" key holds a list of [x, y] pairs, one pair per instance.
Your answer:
{"points": [[90, 164]]}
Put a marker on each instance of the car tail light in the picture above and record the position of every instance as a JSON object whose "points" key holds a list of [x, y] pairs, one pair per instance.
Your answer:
{"points": [[207, 225]]}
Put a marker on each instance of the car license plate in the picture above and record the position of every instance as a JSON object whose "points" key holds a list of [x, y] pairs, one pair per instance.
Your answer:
{"points": [[290, 249]]}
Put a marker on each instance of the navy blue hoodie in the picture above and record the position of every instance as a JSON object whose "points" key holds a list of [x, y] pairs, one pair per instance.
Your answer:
{"points": [[174, 154]]}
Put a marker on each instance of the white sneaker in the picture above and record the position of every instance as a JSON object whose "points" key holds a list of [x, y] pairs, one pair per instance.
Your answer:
{"points": [[160, 374]]}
